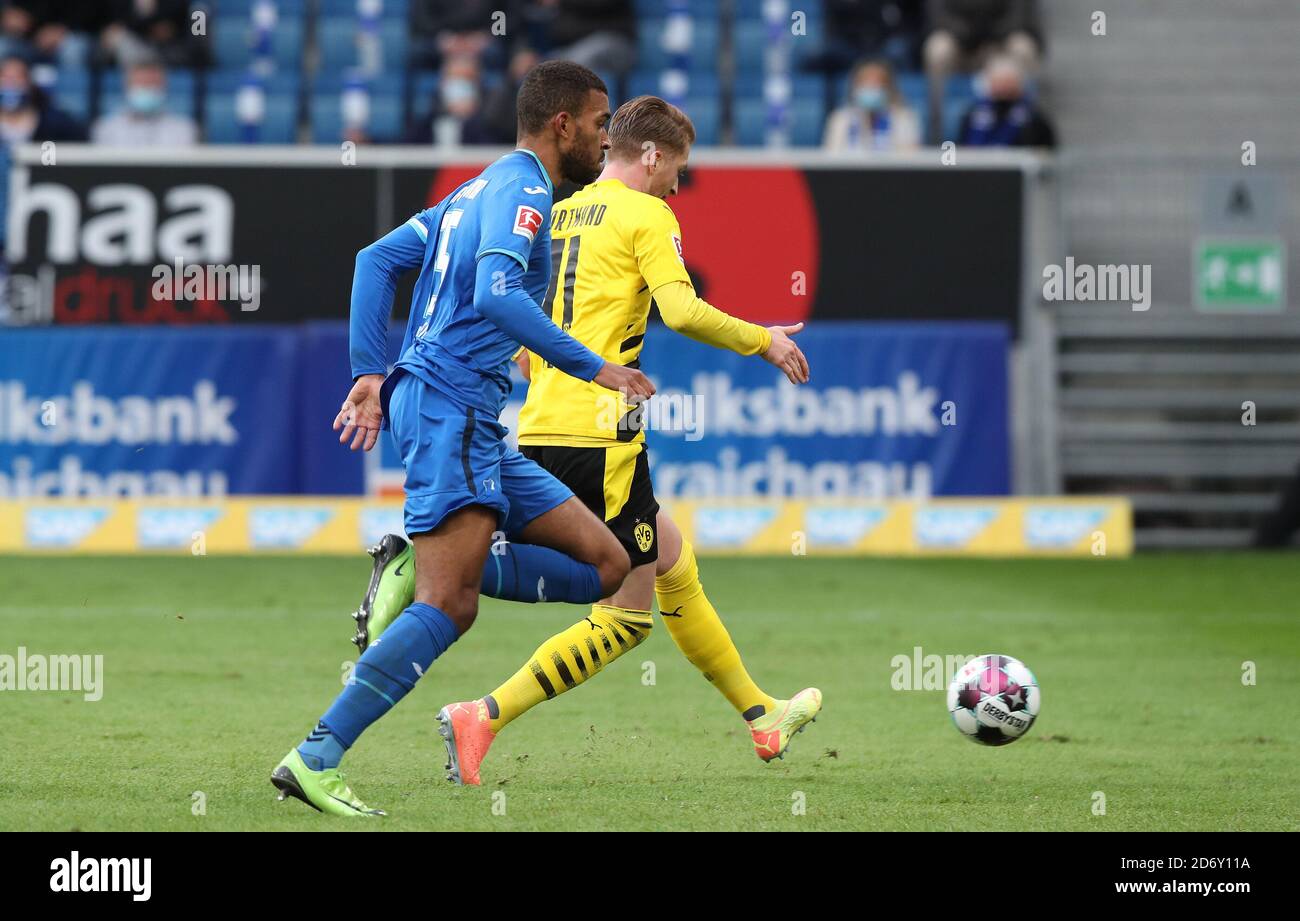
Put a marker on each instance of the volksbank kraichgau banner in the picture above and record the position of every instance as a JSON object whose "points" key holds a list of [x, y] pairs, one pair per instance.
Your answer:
{"points": [[101, 412], [892, 411]]}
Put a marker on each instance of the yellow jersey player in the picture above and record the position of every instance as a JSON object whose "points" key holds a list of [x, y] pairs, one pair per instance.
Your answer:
{"points": [[616, 246]]}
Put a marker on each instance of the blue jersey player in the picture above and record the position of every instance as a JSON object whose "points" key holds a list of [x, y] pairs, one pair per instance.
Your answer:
{"points": [[485, 262]]}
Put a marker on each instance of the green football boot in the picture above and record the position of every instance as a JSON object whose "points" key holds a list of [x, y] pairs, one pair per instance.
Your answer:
{"points": [[391, 590], [325, 791]]}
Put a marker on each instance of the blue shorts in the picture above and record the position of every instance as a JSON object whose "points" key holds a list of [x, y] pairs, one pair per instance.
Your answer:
{"points": [[455, 457]]}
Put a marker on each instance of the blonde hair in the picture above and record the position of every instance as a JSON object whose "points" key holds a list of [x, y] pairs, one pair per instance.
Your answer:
{"points": [[649, 119]]}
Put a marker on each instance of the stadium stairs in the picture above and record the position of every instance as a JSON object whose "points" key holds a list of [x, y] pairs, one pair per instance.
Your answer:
{"points": [[1150, 404]]}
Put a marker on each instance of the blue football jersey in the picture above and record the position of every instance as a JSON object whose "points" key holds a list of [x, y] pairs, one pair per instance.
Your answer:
{"points": [[505, 209]]}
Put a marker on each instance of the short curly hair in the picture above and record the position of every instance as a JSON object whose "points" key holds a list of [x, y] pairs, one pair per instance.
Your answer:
{"points": [[553, 87]]}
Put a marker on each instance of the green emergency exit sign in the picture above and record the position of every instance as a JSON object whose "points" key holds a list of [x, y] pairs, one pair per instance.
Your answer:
{"points": [[1240, 274]]}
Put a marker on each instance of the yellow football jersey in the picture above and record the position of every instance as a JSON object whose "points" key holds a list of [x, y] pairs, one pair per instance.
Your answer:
{"points": [[610, 248]]}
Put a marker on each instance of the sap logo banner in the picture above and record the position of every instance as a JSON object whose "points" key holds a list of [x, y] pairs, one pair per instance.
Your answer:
{"points": [[1060, 526], [893, 411], [160, 528], [722, 526], [376, 521], [61, 527], [841, 527], [951, 527], [286, 526]]}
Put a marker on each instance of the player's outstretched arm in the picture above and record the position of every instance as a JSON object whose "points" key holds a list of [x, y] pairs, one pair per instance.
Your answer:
{"points": [[685, 312], [499, 295]]}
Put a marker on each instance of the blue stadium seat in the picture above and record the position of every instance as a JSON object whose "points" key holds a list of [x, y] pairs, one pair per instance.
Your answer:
{"points": [[181, 95], [703, 100], [807, 115], [231, 38], [958, 97], [803, 87], [703, 54], [656, 9], [643, 83], [386, 109], [281, 83], [616, 89], [279, 126], [753, 9], [393, 9], [421, 87], [706, 115], [337, 37], [244, 8], [71, 93], [750, 43]]}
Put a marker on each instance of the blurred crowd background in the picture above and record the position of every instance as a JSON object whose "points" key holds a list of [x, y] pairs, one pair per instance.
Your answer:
{"points": [[844, 74]]}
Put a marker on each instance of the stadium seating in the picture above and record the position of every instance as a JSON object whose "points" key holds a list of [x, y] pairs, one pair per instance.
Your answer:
{"points": [[221, 114], [385, 107], [717, 59]]}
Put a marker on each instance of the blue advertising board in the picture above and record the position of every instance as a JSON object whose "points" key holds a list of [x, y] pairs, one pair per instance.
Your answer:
{"points": [[893, 410], [133, 412]]}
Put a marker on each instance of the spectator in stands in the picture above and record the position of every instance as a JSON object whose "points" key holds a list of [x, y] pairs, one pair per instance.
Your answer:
{"points": [[877, 28], [600, 34], [145, 121], [143, 30], [499, 110], [26, 113], [1006, 116], [964, 33], [48, 32], [442, 30], [875, 116], [456, 116]]}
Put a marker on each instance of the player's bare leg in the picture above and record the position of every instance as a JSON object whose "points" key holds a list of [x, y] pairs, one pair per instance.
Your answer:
{"points": [[570, 528], [575, 531], [449, 563]]}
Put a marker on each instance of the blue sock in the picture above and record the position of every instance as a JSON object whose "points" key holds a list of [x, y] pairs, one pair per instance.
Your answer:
{"points": [[383, 675], [529, 573]]}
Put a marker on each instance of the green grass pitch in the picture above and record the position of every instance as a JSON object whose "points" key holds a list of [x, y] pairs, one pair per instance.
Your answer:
{"points": [[215, 667]]}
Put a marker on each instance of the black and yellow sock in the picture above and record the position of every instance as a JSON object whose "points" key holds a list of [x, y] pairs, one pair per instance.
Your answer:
{"points": [[699, 633], [568, 659]]}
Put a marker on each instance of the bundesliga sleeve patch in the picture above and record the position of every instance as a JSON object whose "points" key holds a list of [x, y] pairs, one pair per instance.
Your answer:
{"points": [[527, 222], [677, 244]]}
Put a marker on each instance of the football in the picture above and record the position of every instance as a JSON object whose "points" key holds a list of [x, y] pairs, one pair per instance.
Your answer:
{"points": [[993, 699]]}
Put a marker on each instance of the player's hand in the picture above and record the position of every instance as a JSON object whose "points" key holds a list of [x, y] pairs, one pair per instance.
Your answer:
{"points": [[361, 416], [786, 355], [525, 366], [634, 385]]}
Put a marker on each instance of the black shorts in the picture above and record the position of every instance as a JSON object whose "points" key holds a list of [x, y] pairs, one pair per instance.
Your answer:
{"points": [[614, 483]]}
